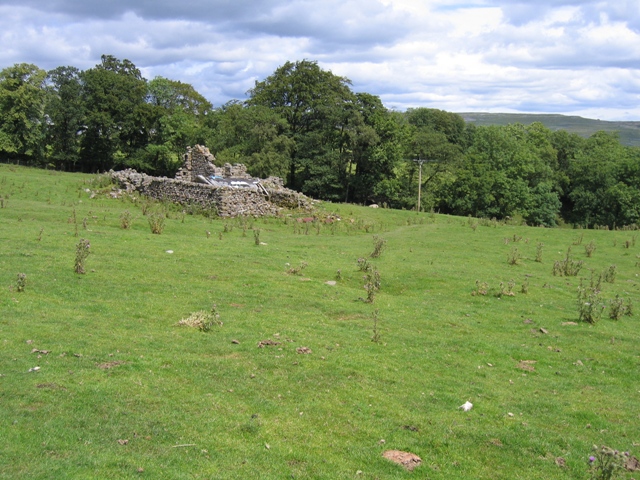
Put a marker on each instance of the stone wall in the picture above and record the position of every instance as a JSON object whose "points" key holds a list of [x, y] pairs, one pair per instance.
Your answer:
{"points": [[200, 161], [229, 201]]}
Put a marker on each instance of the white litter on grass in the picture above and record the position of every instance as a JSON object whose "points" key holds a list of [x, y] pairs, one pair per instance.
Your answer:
{"points": [[169, 251], [34, 369], [466, 406]]}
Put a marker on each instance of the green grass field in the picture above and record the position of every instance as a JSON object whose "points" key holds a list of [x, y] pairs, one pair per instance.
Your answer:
{"points": [[123, 392]]}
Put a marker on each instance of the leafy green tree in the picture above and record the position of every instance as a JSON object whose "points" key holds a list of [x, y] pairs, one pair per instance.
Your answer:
{"points": [[253, 135], [22, 101], [507, 171], [65, 115], [450, 124], [118, 119], [312, 102], [605, 183], [179, 114]]}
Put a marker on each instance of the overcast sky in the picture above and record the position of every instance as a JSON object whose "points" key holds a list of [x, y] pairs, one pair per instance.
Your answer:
{"points": [[577, 57]]}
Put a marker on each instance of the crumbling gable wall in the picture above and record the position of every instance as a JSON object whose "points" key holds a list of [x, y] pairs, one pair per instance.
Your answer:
{"points": [[199, 160]]}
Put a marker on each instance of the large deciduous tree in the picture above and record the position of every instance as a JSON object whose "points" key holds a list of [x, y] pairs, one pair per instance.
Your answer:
{"points": [[507, 171], [604, 183], [118, 117], [22, 101], [312, 101], [65, 114]]}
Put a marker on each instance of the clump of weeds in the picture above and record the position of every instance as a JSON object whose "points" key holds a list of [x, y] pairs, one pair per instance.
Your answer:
{"points": [[514, 256], [156, 222], [379, 245], [376, 337], [202, 320], [590, 306], [589, 248], [609, 275], [126, 219], [506, 290], [371, 285], [619, 308], [82, 252], [297, 270], [482, 288], [21, 282], [567, 267]]}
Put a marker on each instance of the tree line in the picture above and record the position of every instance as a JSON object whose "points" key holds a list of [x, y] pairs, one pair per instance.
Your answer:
{"points": [[308, 126]]}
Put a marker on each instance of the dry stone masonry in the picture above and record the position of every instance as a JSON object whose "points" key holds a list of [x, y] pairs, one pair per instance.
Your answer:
{"points": [[228, 189]]}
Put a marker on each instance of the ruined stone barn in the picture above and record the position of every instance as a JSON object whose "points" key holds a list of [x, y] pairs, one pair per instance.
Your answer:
{"points": [[229, 189]]}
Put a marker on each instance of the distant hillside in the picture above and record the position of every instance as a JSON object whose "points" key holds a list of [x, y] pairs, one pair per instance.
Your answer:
{"points": [[585, 127]]}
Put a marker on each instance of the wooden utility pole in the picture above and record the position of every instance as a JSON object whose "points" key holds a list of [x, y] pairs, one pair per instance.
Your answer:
{"points": [[419, 161]]}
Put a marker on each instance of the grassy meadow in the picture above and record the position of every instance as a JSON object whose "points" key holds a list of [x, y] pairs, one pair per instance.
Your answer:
{"points": [[122, 391]]}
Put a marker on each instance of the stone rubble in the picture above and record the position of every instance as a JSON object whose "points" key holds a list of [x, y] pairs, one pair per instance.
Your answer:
{"points": [[229, 201]]}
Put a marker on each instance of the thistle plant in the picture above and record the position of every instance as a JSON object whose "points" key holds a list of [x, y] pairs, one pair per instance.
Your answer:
{"points": [[618, 308], [156, 222], [126, 220], [21, 282], [297, 270], [606, 463], [256, 236], [589, 248], [481, 288], [379, 245], [514, 256], [567, 267], [82, 252], [609, 275], [364, 265], [539, 248], [590, 306], [371, 285], [375, 338]]}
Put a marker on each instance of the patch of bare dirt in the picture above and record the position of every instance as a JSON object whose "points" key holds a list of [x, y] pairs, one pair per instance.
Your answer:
{"points": [[108, 365], [53, 386], [303, 350], [527, 365], [407, 459], [267, 343], [632, 464]]}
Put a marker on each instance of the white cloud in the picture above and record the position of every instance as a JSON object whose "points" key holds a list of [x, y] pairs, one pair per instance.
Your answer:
{"points": [[565, 56]]}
